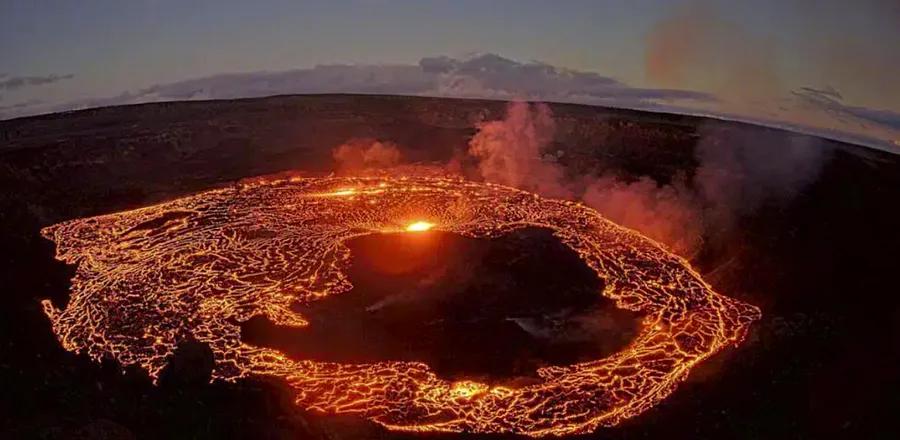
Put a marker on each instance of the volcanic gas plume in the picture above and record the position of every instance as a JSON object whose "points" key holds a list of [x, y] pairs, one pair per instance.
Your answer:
{"points": [[198, 266]]}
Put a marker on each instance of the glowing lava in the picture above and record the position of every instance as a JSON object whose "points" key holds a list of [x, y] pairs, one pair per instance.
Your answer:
{"points": [[419, 226], [197, 266]]}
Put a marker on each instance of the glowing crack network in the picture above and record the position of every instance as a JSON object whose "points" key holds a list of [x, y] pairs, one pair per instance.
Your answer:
{"points": [[198, 266]]}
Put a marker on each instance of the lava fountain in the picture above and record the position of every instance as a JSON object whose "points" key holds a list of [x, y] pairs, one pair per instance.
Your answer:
{"points": [[194, 267]]}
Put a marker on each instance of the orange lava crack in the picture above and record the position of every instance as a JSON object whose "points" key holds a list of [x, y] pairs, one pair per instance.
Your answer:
{"points": [[149, 278]]}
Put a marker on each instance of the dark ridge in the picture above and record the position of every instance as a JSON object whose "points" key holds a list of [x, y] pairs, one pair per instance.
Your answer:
{"points": [[494, 309]]}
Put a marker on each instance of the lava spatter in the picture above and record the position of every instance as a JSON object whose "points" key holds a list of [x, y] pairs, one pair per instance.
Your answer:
{"points": [[194, 267]]}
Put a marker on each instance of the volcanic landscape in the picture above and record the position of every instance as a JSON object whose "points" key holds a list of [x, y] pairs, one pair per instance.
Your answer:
{"points": [[210, 269]]}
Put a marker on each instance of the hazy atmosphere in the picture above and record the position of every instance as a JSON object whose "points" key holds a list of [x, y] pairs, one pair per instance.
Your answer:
{"points": [[828, 67]]}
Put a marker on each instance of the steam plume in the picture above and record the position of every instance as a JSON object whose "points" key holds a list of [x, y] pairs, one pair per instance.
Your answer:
{"points": [[730, 180], [365, 154], [509, 151], [667, 213]]}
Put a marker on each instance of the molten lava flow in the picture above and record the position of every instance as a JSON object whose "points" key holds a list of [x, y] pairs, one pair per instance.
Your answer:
{"points": [[196, 267], [419, 226]]}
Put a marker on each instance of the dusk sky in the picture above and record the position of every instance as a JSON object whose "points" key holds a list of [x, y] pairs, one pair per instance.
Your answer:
{"points": [[826, 66]]}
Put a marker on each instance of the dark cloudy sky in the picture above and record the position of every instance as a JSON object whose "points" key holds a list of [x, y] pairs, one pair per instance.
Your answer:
{"points": [[830, 66]]}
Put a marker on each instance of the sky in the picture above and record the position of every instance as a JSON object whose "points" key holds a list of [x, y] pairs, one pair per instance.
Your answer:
{"points": [[828, 66]]}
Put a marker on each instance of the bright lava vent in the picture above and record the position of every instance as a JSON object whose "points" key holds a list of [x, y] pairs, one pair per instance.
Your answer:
{"points": [[419, 226]]}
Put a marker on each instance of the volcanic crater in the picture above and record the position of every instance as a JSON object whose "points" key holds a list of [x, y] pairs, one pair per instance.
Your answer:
{"points": [[492, 309]]}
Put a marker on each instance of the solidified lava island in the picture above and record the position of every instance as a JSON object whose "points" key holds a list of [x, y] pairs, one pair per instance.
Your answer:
{"points": [[198, 266]]}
